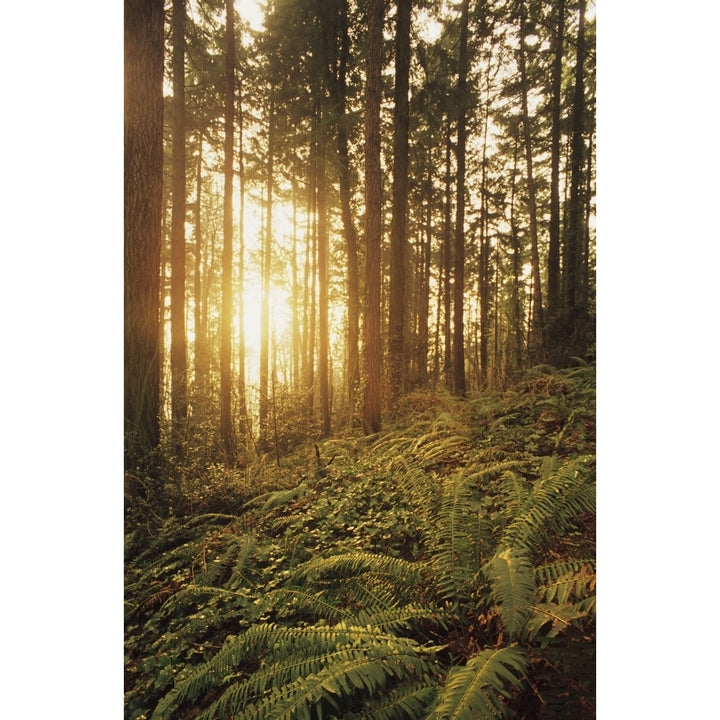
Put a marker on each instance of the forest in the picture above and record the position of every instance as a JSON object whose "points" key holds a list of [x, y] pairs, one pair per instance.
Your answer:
{"points": [[359, 359]]}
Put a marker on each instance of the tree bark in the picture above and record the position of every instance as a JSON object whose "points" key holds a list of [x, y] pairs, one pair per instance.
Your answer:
{"points": [[200, 343], [398, 228], [226, 424], [553, 261], [242, 392], [323, 281], [372, 347], [266, 268], [536, 344], [178, 343], [459, 288], [574, 242], [351, 236], [143, 167], [447, 259]]}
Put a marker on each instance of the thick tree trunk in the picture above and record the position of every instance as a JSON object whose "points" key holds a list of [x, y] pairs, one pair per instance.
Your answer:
{"points": [[226, 424], [143, 167], [372, 347], [178, 343], [398, 228]]}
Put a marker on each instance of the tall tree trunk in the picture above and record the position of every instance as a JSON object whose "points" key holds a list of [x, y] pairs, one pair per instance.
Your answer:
{"points": [[178, 343], [242, 391], [200, 345], [323, 280], [553, 261], [226, 424], [537, 342], [143, 168], [447, 258], [574, 241], [459, 288], [515, 351], [423, 291], [372, 347], [398, 228], [308, 342], [296, 339], [266, 268], [351, 236], [484, 272]]}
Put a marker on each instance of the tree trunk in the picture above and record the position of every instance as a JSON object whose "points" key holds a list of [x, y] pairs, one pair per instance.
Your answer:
{"points": [[226, 424], [242, 392], [574, 242], [323, 281], [423, 287], [200, 343], [351, 236], [447, 259], [459, 288], [143, 168], [553, 261], [398, 228], [484, 269], [537, 341], [372, 347], [178, 344], [515, 351], [266, 275]]}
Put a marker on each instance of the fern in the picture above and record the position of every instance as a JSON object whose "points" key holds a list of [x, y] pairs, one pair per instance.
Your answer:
{"points": [[411, 699], [562, 580], [512, 588], [477, 690], [454, 539], [310, 668], [551, 506]]}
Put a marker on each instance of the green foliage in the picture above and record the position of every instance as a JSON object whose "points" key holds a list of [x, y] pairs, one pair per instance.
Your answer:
{"points": [[478, 689], [430, 572]]}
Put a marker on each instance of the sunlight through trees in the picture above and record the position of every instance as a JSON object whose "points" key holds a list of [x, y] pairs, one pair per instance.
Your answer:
{"points": [[361, 201]]}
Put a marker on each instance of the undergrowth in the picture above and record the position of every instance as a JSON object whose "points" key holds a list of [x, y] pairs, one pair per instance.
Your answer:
{"points": [[444, 568]]}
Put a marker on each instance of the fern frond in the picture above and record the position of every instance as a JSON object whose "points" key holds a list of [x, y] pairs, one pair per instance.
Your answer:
{"points": [[357, 563], [454, 539], [412, 699], [304, 601], [308, 668], [551, 506], [398, 620], [269, 500], [512, 588], [562, 580], [476, 690]]}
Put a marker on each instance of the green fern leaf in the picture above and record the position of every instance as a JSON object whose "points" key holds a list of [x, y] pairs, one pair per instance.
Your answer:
{"points": [[476, 690], [512, 588]]}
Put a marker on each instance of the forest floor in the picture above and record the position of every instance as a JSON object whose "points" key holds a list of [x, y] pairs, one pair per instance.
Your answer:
{"points": [[444, 567]]}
